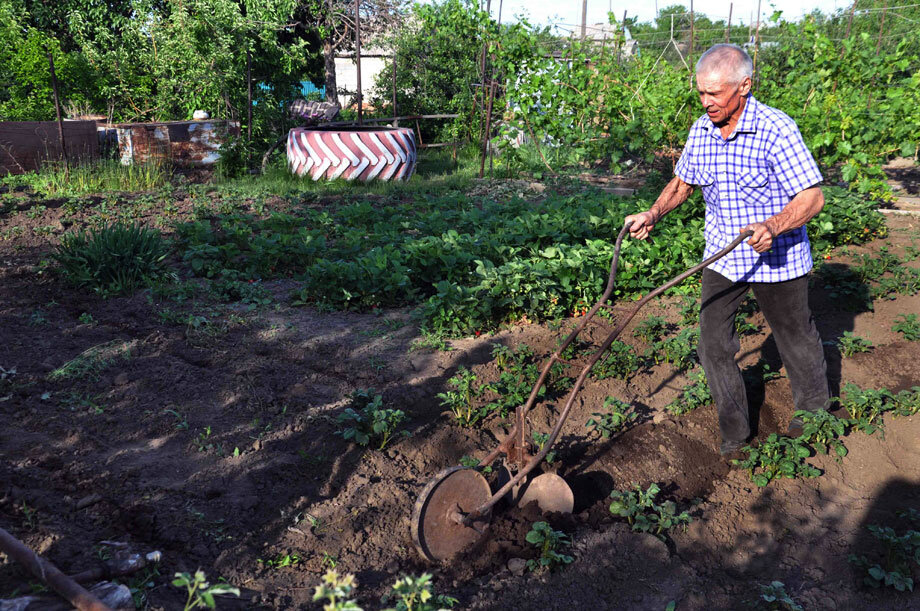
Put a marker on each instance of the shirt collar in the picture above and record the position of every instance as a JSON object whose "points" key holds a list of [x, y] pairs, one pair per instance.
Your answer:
{"points": [[746, 124]]}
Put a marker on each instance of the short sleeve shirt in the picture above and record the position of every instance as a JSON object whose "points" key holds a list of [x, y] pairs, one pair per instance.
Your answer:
{"points": [[747, 178]]}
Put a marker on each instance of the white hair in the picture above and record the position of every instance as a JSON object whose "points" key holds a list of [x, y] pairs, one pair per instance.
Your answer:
{"points": [[730, 61]]}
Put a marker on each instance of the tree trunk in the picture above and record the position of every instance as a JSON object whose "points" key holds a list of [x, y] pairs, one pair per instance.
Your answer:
{"points": [[332, 95]]}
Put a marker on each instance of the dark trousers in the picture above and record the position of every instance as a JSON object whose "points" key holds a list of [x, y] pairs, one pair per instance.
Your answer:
{"points": [[785, 306]]}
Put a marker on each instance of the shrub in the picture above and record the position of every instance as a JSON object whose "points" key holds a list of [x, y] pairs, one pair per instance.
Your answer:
{"points": [[115, 259]]}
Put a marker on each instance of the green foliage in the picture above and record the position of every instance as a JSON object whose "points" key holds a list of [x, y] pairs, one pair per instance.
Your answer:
{"points": [[850, 343], [907, 402], [539, 442], [114, 259], [652, 329], [900, 552], [866, 407], [201, 593], [621, 362], [548, 542], [778, 457], [334, 591], [644, 514], [679, 350], [98, 176], [609, 422], [693, 396], [460, 401], [822, 430], [92, 361], [368, 421], [516, 379], [774, 596], [414, 594], [470, 267], [909, 326]]}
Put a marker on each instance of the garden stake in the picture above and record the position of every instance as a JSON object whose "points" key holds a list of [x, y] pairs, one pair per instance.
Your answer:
{"points": [[453, 510]]}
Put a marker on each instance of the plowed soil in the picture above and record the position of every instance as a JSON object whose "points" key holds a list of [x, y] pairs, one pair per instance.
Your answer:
{"points": [[216, 445]]}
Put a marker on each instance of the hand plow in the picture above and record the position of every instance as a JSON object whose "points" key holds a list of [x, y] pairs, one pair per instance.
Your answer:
{"points": [[453, 511]]}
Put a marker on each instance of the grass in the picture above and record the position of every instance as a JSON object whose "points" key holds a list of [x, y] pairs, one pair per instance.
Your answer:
{"points": [[92, 361], [94, 177]]}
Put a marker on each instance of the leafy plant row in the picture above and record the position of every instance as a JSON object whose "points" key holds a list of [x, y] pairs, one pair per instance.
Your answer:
{"points": [[472, 265]]}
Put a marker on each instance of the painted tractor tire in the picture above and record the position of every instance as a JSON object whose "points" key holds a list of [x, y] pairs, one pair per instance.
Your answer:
{"points": [[354, 153]]}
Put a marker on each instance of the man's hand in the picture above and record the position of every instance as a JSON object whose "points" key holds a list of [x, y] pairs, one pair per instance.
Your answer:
{"points": [[642, 224], [762, 240]]}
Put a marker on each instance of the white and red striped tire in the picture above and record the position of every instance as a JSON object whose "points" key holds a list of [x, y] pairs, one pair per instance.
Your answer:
{"points": [[356, 153]]}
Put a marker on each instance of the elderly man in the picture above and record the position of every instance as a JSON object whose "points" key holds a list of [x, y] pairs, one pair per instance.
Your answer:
{"points": [[756, 174]]}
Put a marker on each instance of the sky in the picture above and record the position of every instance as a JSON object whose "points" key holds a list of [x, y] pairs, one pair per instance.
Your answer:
{"points": [[568, 12]]}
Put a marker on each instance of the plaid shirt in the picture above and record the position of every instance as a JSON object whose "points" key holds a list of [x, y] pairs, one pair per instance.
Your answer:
{"points": [[746, 179]]}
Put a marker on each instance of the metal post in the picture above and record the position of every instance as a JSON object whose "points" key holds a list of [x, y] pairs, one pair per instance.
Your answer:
{"points": [[692, 35], [622, 38], [728, 26], [395, 113], [358, 60], [485, 138], [57, 110], [248, 104], [584, 18], [756, 42]]}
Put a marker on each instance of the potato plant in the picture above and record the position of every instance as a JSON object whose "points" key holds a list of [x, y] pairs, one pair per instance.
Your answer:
{"points": [[697, 394], [822, 430], [866, 407], [548, 542], [370, 422], [900, 551], [778, 457], [643, 514], [849, 344], [609, 422]]}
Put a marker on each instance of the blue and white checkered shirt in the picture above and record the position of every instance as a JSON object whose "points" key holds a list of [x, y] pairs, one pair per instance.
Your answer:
{"points": [[746, 179]]}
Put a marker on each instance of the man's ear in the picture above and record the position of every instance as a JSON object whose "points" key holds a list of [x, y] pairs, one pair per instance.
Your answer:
{"points": [[744, 87]]}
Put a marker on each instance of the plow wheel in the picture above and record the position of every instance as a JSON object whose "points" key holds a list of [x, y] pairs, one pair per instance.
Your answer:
{"points": [[437, 528], [549, 491]]}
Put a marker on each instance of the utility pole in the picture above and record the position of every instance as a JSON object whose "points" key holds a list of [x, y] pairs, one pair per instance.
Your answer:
{"points": [[358, 60], [728, 26]]}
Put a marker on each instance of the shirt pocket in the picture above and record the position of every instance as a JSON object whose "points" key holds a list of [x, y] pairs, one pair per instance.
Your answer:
{"points": [[754, 187], [706, 179]]}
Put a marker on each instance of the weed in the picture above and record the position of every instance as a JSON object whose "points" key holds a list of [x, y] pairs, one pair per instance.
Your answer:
{"points": [[203, 442], [693, 396], [908, 326], [645, 515], [823, 431], [75, 401], [200, 593], [850, 343], [899, 553], [548, 542], [280, 561], [414, 594], [372, 422], [620, 362], [92, 361], [429, 341], [335, 591], [776, 599], [181, 423], [616, 417], [114, 259], [86, 319], [37, 318], [778, 457], [30, 515], [329, 560]]}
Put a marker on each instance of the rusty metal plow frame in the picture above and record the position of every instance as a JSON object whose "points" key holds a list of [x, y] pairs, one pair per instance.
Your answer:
{"points": [[513, 445]]}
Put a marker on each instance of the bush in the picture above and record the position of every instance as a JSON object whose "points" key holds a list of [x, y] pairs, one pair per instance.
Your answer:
{"points": [[116, 259]]}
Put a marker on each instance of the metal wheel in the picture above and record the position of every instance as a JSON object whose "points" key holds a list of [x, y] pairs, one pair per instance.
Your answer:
{"points": [[437, 530]]}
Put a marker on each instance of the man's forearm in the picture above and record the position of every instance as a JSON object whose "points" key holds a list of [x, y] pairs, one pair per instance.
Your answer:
{"points": [[674, 194], [801, 209]]}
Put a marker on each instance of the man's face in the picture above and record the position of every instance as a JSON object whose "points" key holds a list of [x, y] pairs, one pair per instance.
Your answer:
{"points": [[720, 98]]}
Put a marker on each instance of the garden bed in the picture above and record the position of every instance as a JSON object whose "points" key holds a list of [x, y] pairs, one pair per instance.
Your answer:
{"points": [[208, 425]]}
